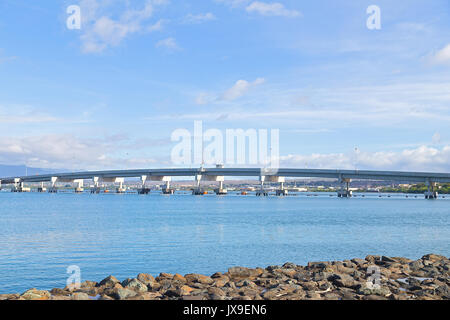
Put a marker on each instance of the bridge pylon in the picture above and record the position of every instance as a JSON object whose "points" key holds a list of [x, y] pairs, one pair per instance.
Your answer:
{"points": [[431, 193], [344, 191], [144, 190], [262, 192], [41, 188]]}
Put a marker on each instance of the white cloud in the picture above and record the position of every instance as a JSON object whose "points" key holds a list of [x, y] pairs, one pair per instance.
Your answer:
{"points": [[442, 56], [262, 8], [423, 158], [203, 98], [156, 27], [169, 44], [101, 31], [23, 114], [436, 138], [4, 59], [73, 153], [384, 104], [199, 18], [233, 3], [66, 151], [271, 9], [240, 88]]}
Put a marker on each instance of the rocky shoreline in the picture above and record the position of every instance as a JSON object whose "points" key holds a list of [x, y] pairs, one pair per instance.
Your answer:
{"points": [[372, 278]]}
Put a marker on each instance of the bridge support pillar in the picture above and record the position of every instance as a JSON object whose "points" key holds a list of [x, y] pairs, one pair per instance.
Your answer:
{"points": [[281, 192], [42, 188], [198, 190], [144, 190], [53, 188], [221, 191], [431, 194], [96, 188], [79, 186], [15, 187], [121, 189], [167, 189], [262, 192], [18, 185], [345, 192]]}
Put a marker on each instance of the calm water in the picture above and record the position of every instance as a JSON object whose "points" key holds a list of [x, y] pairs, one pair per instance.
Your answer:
{"points": [[42, 234]]}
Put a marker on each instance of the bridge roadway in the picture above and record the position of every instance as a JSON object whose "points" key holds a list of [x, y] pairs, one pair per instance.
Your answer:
{"points": [[343, 176], [416, 177]]}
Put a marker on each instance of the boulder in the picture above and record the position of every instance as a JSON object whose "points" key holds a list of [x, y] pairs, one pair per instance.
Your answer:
{"points": [[185, 291], [443, 291], [309, 286], [220, 282], [88, 284], [244, 273], [216, 292], [373, 259], [289, 265], [434, 258], [122, 294], [217, 275], [179, 277], [198, 278], [381, 291], [318, 265], [60, 298], [146, 278], [109, 281], [9, 296], [34, 294], [59, 292], [193, 298], [164, 276], [136, 285], [359, 262], [151, 296], [80, 296]]}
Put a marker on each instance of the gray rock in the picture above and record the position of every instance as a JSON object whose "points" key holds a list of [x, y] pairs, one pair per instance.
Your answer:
{"points": [[122, 294], [359, 262], [271, 268], [318, 265], [241, 272], [146, 278], [319, 276], [289, 265], [343, 280], [108, 281], [382, 291], [416, 265], [80, 296], [136, 285], [443, 291]]}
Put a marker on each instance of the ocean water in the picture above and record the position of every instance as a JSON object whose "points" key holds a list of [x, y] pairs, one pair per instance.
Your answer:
{"points": [[123, 235]]}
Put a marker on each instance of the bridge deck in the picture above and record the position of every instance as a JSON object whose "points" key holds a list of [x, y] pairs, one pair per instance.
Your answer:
{"points": [[417, 177]]}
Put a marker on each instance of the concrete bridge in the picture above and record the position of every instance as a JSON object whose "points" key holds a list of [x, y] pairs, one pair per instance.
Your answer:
{"points": [[219, 173]]}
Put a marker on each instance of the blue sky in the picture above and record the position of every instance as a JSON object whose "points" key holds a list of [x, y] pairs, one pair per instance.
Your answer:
{"points": [[110, 94]]}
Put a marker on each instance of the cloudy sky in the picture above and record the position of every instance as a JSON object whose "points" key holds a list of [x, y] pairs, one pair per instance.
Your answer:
{"points": [[110, 94]]}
